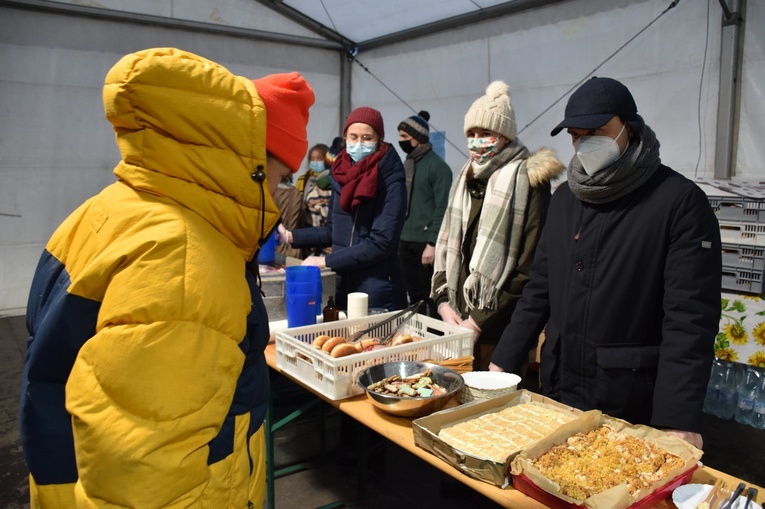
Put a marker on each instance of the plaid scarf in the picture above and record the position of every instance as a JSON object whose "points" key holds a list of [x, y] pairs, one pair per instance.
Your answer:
{"points": [[500, 228]]}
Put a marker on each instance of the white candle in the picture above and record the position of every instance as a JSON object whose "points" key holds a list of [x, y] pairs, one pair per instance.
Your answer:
{"points": [[357, 304]]}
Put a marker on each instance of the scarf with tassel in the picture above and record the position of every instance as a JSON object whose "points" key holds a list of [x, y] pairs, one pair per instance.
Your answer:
{"points": [[500, 228]]}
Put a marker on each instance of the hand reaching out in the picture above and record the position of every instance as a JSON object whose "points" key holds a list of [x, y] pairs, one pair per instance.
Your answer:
{"points": [[284, 235], [692, 438], [316, 261], [469, 323], [448, 314]]}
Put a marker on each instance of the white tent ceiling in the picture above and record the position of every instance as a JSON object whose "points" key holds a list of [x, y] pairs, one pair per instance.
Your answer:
{"points": [[365, 20], [373, 23]]}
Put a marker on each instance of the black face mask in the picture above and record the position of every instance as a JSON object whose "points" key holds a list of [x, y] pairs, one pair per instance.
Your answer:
{"points": [[406, 146]]}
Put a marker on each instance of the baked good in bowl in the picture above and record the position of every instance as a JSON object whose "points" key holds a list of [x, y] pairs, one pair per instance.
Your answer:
{"points": [[410, 405]]}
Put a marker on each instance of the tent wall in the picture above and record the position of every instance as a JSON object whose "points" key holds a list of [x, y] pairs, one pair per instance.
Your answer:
{"points": [[672, 70], [750, 153], [57, 148]]}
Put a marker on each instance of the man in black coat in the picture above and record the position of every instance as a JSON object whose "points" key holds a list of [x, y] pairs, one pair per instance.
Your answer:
{"points": [[626, 276]]}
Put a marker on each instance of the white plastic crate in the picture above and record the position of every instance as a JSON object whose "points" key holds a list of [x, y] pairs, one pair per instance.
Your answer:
{"points": [[336, 378]]}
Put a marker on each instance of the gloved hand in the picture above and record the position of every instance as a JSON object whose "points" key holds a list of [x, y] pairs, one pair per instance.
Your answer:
{"points": [[284, 236], [469, 323], [448, 314], [316, 261]]}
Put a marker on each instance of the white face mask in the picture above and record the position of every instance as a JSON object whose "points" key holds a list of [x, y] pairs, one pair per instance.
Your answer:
{"points": [[597, 152]]}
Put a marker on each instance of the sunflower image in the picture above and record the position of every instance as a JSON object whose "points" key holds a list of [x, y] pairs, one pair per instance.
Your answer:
{"points": [[758, 333], [735, 333], [757, 359], [726, 354]]}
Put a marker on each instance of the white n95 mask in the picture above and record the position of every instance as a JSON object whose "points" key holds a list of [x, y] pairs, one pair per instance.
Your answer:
{"points": [[597, 152]]}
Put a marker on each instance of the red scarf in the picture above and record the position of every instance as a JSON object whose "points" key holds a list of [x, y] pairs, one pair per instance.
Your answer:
{"points": [[358, 181]]}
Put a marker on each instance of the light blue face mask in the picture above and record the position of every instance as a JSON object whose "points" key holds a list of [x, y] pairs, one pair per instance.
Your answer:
{"points": [[360, 150], [316, 166]]}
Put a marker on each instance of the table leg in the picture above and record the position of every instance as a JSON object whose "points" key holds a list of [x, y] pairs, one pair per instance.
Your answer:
{"points": [[271, 427], [270, 489], [363, 461]]}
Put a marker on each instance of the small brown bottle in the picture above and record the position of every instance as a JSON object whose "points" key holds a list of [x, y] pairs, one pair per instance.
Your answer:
{"points": [[330, 312]]}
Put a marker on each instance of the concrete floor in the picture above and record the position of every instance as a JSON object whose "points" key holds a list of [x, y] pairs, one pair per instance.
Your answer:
{"points": [[396, 478]]}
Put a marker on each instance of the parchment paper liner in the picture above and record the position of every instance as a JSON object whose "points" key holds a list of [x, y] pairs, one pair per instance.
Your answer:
{"points": [[617, 497]]}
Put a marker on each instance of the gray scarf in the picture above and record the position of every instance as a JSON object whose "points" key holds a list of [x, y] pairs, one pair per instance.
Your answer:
{"points": [[636, 165], [409, 165]]}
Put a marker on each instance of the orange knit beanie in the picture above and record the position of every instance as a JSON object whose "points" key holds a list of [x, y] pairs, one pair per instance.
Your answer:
{"points": [[287, 98]]}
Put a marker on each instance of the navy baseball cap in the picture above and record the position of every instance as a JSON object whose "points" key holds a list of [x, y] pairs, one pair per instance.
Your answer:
{"points": [[595, 103]]}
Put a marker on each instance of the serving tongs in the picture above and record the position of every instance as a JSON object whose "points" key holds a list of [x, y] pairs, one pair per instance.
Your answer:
{"points": [[409, 312]]}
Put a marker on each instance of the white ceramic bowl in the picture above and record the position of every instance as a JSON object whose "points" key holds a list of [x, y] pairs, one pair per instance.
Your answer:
{"points": [[689, 496], [487, 384]]}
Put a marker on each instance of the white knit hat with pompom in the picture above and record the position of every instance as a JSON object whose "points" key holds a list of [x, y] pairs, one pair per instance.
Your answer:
{"points": [[494, 111]]}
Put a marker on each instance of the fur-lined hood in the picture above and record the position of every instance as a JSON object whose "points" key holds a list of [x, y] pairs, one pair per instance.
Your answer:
{"points": [[543, 166]]}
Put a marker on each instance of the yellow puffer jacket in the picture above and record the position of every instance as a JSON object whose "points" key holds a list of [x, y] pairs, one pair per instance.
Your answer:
{"points": [[141, 320]]}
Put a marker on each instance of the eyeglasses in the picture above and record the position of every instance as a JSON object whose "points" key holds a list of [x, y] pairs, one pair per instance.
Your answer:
{"points": [[365, 138]]}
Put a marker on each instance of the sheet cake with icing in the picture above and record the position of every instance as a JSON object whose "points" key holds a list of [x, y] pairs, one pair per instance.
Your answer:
{"points": [[496, 435]]}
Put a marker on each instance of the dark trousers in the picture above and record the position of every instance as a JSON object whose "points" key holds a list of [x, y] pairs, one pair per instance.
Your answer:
{"points": [[417, 275]]}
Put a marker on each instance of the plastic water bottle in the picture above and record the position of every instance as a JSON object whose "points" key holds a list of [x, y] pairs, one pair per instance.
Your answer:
{"points": [[728, 390], [712, 399], [758, 410], [746, 392]]}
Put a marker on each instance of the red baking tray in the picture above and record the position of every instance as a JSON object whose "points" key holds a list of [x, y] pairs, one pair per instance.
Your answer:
{"points": [[527, 486]]}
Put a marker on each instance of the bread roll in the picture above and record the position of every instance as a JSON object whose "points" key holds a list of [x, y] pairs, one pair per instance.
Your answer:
{"points": [[365, 344], [319, 341], [332, 343], [402, 339], [343, 349]]}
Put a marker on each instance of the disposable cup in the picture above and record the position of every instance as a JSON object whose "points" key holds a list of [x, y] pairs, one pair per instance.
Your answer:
{"points": [[306, 274], [301, 309]]}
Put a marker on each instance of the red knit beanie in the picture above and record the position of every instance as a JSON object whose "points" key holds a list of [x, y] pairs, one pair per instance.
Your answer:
{"points": [[287, 98], [366, 115]]}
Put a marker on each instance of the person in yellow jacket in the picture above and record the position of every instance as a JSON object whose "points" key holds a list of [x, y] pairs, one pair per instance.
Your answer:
{"points": [[145, 383]]}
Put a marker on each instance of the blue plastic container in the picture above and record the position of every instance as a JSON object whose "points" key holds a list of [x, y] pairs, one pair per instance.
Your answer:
{"points": [[301, 309], [304, 274], [267, 252]]}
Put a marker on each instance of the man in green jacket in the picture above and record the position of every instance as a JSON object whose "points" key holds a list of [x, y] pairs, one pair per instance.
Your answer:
{"points": [[428, 179]]}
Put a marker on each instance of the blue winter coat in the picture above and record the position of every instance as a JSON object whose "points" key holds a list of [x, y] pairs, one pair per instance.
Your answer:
{"points": [[365, 242]]}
